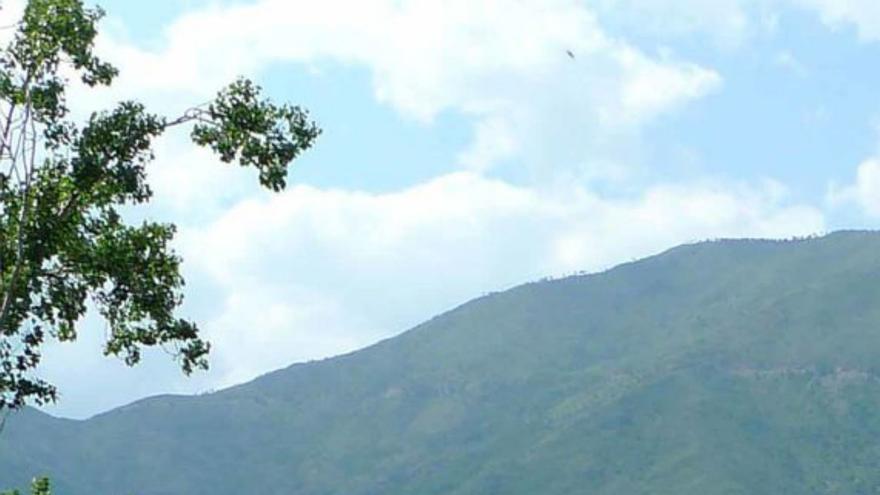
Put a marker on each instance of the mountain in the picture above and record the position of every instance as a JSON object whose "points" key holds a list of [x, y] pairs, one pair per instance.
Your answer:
{"points": [[728, 367]]}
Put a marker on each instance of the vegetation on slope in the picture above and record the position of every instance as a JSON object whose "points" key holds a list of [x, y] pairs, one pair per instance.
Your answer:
{"points": [[726, 367]]}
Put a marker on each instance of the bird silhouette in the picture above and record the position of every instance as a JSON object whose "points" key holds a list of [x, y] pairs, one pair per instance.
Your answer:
{"points": [[570, 54]]}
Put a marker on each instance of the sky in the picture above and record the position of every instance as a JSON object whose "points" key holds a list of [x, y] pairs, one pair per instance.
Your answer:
{"points": [[465, 151]]}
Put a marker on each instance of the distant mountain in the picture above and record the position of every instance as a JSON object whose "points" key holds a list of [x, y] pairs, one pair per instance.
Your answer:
{"points": [[729, 367]]}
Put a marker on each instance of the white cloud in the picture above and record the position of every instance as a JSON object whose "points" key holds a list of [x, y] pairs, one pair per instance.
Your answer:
{"points": [[501, 62], [727, 22], [864, 192], [864, 15], [493, 142], [426, 56], [10, 12], [315, 272]]}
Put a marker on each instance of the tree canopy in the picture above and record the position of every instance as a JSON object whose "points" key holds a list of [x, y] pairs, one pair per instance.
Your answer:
{"points": [[65, 245], [40, 486]]}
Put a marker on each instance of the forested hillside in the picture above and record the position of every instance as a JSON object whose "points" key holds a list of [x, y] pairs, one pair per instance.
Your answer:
{"points": [[723, 367]]}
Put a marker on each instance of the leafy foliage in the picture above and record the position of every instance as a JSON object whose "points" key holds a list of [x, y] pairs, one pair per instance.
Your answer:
{"points": [[39, 486], [64, 245], [239, 125]]}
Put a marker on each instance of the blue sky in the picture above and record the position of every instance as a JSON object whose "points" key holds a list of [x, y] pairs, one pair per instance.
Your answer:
{"points": [[465, 152]]}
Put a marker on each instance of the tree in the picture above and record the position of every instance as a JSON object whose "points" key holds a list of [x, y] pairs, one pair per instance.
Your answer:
{"points": [[40, 486], [64, 244]]}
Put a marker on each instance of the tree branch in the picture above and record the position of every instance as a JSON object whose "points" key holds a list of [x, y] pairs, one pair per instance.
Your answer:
{"points": [[9, 290]]}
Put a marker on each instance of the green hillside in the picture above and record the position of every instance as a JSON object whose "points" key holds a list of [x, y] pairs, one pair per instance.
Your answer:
{"points": [[730, 367]]}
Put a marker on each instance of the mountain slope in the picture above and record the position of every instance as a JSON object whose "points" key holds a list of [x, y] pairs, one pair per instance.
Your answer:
{"points": [[727, 367]]}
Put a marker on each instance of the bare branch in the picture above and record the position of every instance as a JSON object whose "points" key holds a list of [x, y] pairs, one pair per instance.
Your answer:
{"points": [[29, 170]]}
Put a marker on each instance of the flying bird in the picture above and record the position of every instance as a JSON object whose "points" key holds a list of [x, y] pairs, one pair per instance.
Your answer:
{"points": [[570, 54]]}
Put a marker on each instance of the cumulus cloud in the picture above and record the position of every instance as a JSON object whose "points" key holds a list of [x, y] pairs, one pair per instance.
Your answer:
{"points": [[502, 63], [316, 272], [863, 192], [426, 56], [331, 270]]}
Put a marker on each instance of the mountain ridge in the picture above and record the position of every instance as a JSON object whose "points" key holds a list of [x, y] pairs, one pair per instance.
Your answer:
{"points": [[736, 366], [578, 275]]}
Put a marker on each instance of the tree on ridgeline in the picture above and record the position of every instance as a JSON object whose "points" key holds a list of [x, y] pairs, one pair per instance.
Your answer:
{"points": [[39, 486]]}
